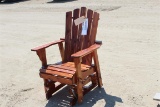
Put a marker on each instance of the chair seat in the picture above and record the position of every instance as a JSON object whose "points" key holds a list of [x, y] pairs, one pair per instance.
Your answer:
{"points": [[63, 71]]}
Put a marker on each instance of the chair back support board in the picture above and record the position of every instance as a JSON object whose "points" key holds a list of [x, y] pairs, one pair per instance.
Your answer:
{"points": [[74, 41]]}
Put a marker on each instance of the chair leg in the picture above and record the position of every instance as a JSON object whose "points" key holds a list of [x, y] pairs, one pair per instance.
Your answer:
{"points": [[73, 92], [80, 92], [94, 79], [77, 62], [49, 87], [96, 62], [99, 80], [94, 84]]}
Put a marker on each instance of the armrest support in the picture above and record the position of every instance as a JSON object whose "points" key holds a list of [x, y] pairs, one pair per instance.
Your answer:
{"points": [[86, 51], [42, 56], [41, 51], [47, 45]]}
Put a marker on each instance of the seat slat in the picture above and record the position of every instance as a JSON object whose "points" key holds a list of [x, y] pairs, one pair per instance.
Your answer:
{"points": [[59, 79], [64, 70], [60, 70], [64, 67], [72, 65], [62, 74]]}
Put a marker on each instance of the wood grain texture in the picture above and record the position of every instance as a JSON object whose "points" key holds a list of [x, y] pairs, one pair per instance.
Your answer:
{"points": [[58, 73], [94, 28], [86, 51], [82, 37], [42, 56], [61, 49], [75, 28], [47, 45], [77, 62], [56, 78], [97, 67], [68, 34], [65, 70], [88, 58]]}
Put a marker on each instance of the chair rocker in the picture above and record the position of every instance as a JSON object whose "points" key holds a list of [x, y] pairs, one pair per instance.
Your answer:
{"points": [[76, 69]]}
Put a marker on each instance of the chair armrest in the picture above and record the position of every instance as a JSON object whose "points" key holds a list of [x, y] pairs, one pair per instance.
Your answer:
{"points": [[86, 51], [47, 45]]}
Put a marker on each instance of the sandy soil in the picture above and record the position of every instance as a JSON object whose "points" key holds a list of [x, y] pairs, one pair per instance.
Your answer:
{"points": [[129, 57]]}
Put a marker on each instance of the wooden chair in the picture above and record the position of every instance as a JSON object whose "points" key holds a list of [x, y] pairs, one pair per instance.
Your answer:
{"points": [[76, 69]]}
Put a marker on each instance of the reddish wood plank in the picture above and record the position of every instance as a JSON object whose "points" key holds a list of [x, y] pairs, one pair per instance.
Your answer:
{"points": [[80, 37], [77, 62], [85, 38], [94, 28], [76, 13], [83, 11], [60, 70], [71, 67], [54, 78], [88, 58], [49, 87], [61, 49], [62, 74], [64, 67], [42, 56], [86, 51], [67, 64], [47, 45], [96, 62], [87, 73], [68, 33], [89, 16]]}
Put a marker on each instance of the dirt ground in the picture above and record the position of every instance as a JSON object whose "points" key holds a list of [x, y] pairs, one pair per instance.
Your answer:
{"points": [[129, 57]]}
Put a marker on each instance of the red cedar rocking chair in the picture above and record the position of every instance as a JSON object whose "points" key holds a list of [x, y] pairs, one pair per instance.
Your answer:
{"points": [[76, 69]]}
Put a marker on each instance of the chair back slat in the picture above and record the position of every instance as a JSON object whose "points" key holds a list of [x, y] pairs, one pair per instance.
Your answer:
{"points": [[80, 37], [94, 28], [88, 59], [68, 34], [75, 29]]}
